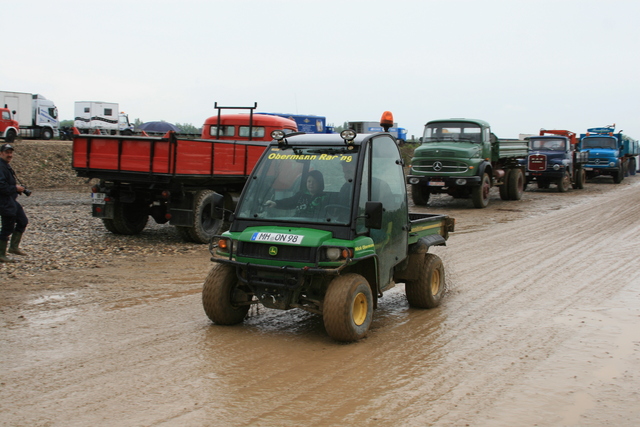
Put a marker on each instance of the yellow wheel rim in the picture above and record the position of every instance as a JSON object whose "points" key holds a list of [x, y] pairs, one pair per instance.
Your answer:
{"points": [[435, 282], [360, 308]]}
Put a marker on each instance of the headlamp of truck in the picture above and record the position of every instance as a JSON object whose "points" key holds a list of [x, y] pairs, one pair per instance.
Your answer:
{"points": [[612, 164], [461, 181], [414, 180], [332, 253], [556, 167]]}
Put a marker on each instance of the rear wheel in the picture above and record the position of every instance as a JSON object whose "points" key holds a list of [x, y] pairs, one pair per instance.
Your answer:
{"points": [[348, 308], [427, 291], [419, 194], [130, 218], [504, 188], [223, 301], [480, 194]]}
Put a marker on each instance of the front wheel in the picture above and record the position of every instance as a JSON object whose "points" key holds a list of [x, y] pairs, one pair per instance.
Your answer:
{"points": [[580, 178], [348, 308], [419, 194], [205, 224], [480, 194], [10, 136], [47, 134], [564, 183], [429, 288], [223, 301]]}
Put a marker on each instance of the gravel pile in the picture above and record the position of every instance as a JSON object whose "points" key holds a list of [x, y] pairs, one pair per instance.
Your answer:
{"points": [[62, 234]]}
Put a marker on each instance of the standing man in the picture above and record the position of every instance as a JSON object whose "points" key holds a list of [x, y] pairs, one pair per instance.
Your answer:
{"points": [[14, 220]]}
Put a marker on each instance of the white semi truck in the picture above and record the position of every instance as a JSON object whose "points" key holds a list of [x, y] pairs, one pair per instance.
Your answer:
{"points": [[37, 116]]}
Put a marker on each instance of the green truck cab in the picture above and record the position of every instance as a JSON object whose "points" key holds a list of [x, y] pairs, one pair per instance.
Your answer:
{"points": [[463, 158], [323, 225]]}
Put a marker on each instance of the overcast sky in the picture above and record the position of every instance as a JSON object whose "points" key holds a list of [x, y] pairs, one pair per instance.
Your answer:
{"points": [[521, 65]]}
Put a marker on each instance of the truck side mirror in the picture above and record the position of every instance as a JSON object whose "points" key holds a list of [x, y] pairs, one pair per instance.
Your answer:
{"points": [[373, 215], [218, 206]]}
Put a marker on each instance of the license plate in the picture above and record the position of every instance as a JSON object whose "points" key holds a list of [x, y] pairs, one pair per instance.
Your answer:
{"points": [[588, 169], [292, 239], [97, 198], [436, 183]]}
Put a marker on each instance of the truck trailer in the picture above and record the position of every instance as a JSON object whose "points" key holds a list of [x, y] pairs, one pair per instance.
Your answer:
{"points": [[37, 116], [307, 123], [373, 127]]}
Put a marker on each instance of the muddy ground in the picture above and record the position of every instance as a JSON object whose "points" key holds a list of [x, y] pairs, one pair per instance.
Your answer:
{"points": [[539, 327]]}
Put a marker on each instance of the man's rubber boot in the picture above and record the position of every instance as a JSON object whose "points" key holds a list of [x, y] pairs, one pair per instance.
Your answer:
{"points": [[15, 243], [3, 252]]}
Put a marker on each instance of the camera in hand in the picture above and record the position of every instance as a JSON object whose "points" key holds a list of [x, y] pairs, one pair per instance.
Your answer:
{"points": [[27, 192]]}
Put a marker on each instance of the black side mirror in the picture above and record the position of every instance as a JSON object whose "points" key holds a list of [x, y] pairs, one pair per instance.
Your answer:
{"points": [[373, 215]]}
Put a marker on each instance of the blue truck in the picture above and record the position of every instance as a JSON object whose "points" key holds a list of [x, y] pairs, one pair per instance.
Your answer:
{"points": [[307, 123], [610, 153], [372, 127], [554, 159]]}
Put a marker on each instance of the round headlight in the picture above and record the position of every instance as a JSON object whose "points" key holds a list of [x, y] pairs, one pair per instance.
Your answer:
{"points": [[461, 181], [348, 134], [556, 167], [278, 135], [414, 180], [612, 164], [333, 254]]}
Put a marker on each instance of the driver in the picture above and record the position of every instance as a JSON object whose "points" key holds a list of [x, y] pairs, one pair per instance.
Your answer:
{"points": [[307, 203]]}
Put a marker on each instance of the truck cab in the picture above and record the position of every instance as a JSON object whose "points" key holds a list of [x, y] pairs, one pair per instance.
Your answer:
{"points": [[9, 127], [554, 158], [323, 225], [605, 150]]}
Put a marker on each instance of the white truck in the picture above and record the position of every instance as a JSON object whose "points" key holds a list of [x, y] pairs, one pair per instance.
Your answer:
{"points": [[37, 116], [103, 116]]}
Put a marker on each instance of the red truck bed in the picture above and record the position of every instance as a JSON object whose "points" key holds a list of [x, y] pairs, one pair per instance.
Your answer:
{"points": [[165, 155]]}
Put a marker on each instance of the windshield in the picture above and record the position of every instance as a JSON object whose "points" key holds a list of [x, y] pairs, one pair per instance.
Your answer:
{"points": [[547, 144], [599, 142], [452, 131], [311, 184]]}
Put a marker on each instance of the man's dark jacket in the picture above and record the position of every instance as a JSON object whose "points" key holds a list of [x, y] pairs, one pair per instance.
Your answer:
{"points": [[8, 190]]}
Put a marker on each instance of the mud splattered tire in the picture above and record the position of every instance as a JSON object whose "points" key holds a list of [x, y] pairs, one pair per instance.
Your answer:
{"points": [[129, 218], [205, 225], [427, 291], [516, 184], [348, 308], [222, 299], [564, 183], [419, 194], [480, 194]]}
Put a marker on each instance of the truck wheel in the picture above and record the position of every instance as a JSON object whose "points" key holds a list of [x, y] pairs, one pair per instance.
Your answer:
{"points": [[427, 291], [504, 188], [633, 167], [580, 179], [564, 183], [11, 136], [348, 308], [618, 177], [130, 218], [110, 226], [205, 226], [223, 301], [47, 134], [419, 194], [516, 184], [480, 194]]}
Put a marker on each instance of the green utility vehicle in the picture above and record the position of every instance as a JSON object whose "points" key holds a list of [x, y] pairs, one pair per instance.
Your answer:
{"points": [[323, 225], [463, 158]]}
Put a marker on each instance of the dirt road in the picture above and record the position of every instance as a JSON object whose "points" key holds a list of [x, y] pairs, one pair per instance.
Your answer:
{"points": [[539, 327]]}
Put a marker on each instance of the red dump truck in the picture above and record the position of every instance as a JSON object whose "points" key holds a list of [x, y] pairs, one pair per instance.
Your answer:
{"points": [[173, 178]]}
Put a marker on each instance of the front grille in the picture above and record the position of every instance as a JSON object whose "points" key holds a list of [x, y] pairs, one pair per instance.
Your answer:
{"points": [[445, 166], [284, 253]]}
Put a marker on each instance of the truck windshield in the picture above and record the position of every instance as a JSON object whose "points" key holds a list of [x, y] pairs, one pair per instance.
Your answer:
{"points": [[599, 142], [547, 144], [452, 131], [311, 184]]}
